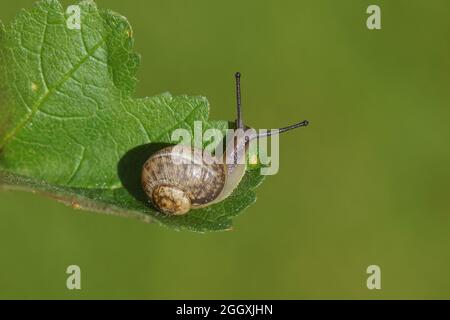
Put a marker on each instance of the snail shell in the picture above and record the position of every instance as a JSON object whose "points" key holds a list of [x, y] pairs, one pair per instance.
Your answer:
{"points": [[178, 178]]}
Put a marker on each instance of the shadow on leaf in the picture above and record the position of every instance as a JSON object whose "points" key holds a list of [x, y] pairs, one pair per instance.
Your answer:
{"points": [[130, 169]]}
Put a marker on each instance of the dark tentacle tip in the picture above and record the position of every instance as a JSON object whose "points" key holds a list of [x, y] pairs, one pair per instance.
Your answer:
{"points": [[306, 122], [237, 74]]}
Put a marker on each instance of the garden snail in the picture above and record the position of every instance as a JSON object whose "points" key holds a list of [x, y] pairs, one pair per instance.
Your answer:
{"points": [[175, 186]]}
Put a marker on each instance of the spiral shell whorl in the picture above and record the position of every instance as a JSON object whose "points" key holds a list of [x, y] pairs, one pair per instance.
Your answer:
{"points": [[171, 200], [173, 181]]}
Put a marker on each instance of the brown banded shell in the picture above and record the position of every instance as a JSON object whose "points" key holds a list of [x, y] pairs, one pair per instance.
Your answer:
{"points": [[179, 178]]}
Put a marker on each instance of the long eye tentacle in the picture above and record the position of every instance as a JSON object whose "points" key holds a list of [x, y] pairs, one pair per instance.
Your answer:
{"points": [[269, 133], [239, 121]]}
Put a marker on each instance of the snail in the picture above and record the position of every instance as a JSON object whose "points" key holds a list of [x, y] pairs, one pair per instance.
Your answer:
{"points": [[179, 178]]}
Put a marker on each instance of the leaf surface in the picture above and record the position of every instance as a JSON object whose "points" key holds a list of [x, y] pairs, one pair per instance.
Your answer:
{"points": [[71, 128]]}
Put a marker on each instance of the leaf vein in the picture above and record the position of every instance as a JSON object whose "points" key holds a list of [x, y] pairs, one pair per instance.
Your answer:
{"points": [[78, 165], [177, 125], [45, 97], [41, 51]]}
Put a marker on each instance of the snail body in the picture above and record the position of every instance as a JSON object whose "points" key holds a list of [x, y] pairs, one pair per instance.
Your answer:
{"points": [[179, 178]]}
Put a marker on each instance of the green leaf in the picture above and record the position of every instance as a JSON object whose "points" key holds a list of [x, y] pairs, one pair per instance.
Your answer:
{"points": [[70, 127]]}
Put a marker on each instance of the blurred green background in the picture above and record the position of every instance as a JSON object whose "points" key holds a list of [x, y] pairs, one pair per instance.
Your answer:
{"points": [[367, 183]]}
